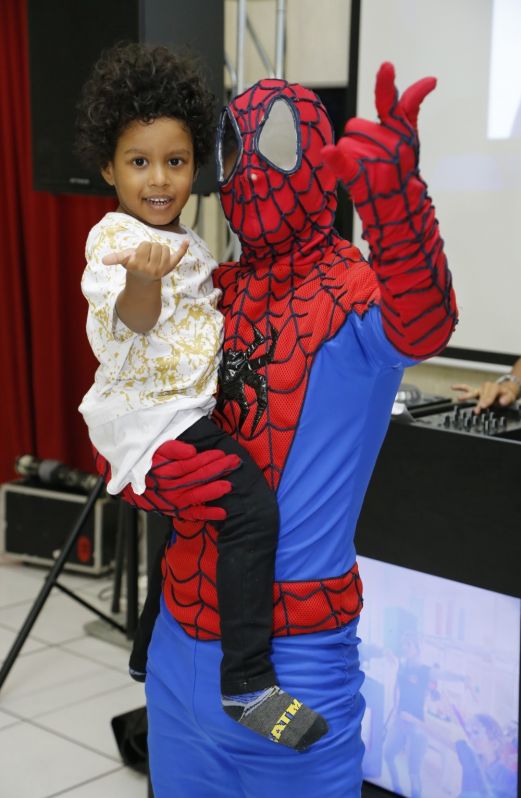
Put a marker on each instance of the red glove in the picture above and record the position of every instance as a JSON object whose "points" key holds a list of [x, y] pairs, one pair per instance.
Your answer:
{"points": [[181, 481], [379, 165]]}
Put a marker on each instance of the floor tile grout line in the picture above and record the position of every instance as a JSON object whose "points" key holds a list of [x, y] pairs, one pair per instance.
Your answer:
{"points": [[30, 638], [7, 628], [56, 644], [7, 726], [115, 668], [83, 783], [72, 740], [25, 654], [39, 572], [83, 657], [30, 601], [72, 680], [61, 646], [12, 713], [36, 578], [92, 588], [110, 691], [103, 605]]}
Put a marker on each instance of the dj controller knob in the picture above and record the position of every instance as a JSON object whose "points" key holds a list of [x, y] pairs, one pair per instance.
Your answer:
{"points": [[504, 422]]}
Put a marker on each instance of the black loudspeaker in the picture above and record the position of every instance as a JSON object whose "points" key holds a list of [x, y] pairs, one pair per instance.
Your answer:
{"points": [[65, 39]]}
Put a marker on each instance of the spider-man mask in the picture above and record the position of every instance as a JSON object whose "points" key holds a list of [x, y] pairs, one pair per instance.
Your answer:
{"points": [[275, 190]]}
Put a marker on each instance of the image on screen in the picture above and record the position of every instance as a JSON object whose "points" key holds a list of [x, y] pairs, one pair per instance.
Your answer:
{"points": [[441, 664]]}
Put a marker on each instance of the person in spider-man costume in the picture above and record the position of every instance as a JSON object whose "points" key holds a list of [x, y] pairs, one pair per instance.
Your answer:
{"points": [[316, 340]]}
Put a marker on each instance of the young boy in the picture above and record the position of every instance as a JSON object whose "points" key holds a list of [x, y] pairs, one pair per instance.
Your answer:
{"points": [[145, 120]]}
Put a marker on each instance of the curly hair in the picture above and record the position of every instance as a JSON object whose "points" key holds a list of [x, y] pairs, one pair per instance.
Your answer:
{"points": [[131, 82]]}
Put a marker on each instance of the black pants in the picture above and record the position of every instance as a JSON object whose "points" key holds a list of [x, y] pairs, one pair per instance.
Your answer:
{"points": [[246, 545]]}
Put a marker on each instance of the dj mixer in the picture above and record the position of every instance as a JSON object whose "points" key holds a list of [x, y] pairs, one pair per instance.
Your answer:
{"points": [[437, 412], [461, 417]]}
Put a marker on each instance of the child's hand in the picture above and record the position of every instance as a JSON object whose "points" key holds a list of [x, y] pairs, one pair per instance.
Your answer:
{"points": [[139, 304], [149, 262]]}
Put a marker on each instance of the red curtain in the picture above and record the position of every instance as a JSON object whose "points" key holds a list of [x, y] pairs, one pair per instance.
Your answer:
{"points": [[45, 361]]}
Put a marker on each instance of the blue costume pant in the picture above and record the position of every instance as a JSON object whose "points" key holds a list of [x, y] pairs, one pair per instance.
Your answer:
{"points": [[197, 751]]}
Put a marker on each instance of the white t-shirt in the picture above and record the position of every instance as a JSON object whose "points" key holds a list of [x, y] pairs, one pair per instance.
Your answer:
{"points": [[149, 387]]}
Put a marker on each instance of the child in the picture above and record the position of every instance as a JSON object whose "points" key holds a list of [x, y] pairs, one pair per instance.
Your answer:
{"points": [[145, 120]]}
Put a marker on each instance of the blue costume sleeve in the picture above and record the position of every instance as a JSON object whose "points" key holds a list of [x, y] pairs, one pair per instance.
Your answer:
{"points": [[346, 412], [375, 344]]}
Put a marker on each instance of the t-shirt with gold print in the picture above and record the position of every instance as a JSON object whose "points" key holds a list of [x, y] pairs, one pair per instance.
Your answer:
{"points": [[168, 376]]}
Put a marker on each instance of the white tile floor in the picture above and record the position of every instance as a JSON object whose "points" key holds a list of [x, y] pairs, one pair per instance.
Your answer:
{"points": [[61, 693], [58, 700]]}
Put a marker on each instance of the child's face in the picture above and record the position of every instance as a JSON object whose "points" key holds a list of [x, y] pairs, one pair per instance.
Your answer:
{"points": [[153, 171]]}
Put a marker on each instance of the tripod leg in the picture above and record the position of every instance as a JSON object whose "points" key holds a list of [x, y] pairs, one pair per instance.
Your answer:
{"points": [[132, 570], [91, 607], [49, 582], [119, 559]]}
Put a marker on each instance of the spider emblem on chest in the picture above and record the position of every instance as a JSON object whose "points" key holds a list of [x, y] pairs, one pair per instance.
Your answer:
{"points": [[238, 369]]}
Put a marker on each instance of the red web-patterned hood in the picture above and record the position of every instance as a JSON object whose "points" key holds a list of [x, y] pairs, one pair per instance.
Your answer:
{"points": [[275, 189]]}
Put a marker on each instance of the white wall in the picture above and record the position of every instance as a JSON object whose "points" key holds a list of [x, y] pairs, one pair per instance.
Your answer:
{"points": [[472, 47]]}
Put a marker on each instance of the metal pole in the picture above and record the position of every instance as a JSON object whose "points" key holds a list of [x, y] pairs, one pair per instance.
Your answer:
{"points": [[119, 559], [231, 70], [132, 570], [240, 84], [280, 40], [241, 38]]}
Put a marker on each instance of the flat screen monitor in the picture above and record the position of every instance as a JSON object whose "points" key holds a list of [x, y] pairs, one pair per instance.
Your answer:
{"points": [[441, 663]]}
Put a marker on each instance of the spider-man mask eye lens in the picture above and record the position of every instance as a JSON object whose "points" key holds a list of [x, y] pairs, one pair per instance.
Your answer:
{"points": [[229, 147], [278, 140]]}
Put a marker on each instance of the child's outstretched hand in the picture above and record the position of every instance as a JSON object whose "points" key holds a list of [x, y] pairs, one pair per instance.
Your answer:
{"points": [[139, 304], [149, 262]]}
